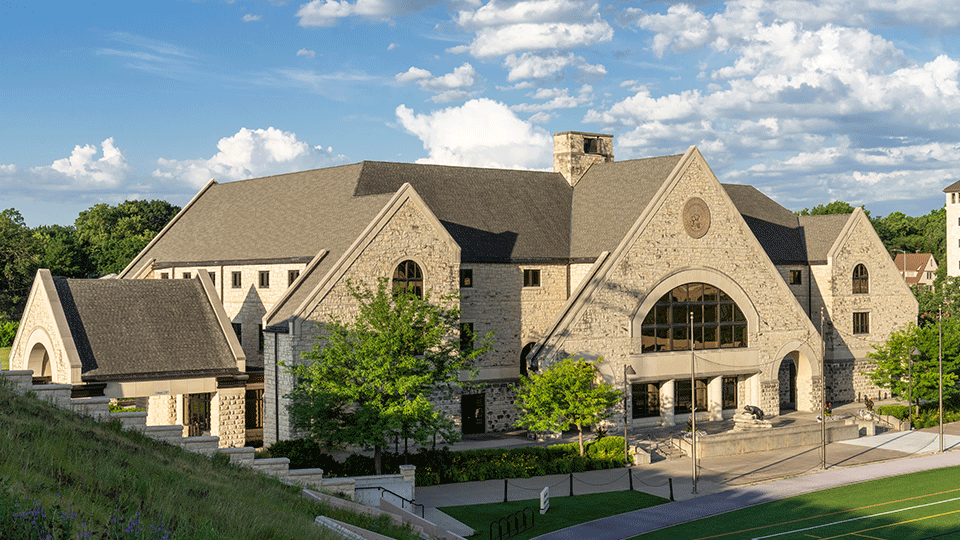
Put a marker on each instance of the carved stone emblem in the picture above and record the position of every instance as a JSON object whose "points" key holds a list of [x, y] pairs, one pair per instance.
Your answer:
{"points": [[696, 217]]}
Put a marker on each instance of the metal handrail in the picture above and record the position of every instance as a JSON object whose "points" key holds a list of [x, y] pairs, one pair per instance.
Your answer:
{"points": [[397, 495]]}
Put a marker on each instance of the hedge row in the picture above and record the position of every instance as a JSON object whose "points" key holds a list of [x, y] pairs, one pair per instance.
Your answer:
{"points": [[929, 416], [445, 466]]}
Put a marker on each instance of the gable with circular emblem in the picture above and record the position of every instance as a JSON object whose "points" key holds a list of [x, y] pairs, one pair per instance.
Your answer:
{"points": [[696, 217]]}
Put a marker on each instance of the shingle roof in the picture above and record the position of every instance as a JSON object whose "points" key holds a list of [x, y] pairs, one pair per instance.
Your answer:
{"points": [[609, 198], [776, 228], [915, 262], [142, 329], [820, 233], [952, 188]]}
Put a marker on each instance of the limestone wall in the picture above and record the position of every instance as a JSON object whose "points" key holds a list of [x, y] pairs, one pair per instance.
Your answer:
{"points": [[228, 417], [727, 253]]}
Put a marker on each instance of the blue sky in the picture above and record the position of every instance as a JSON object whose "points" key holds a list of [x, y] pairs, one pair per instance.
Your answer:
{"points": [[856, 100]]}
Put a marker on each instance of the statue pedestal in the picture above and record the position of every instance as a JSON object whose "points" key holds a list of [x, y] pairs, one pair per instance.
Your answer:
{"points": [[747, 422]]}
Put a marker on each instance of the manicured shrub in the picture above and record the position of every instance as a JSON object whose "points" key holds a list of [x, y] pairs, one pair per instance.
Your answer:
{"points": [[900, 412], [8, 330]]}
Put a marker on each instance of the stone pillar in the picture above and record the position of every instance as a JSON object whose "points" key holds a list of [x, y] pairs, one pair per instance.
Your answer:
{"points": [[228, 412], [753, 395], [770, 398], [409, 474], [666, 403], [161, 410], [715, 398]]}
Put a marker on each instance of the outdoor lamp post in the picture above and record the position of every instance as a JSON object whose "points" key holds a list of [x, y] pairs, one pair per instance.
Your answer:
{"points": [[913, 351], [627, 370], [940, 356]]}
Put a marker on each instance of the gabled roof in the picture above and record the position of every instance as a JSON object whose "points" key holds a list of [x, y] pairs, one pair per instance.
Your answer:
{"points": [[952, 188], [776, 228], [916, 263], [820, 233], [608, 199], [145, 329]]}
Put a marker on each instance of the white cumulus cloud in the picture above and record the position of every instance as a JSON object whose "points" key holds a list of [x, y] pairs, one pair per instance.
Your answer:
{"points": [[449, 87], [533, 66], [479, 133], [306, 52], [251, 18], [329, 12], [247, 154]]}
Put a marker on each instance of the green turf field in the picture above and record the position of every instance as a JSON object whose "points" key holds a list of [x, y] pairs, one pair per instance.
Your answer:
{"points": [[564, 511], [924, 505]]}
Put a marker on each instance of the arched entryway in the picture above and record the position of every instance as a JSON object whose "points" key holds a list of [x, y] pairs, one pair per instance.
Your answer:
{"points": [[38, 360], [798, 373]]}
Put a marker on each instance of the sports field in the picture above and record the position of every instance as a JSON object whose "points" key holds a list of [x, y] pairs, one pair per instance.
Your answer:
{"points": [[911, 507]]}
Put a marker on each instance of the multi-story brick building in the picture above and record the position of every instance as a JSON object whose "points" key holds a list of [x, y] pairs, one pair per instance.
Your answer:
{"points": [[599, 259]]}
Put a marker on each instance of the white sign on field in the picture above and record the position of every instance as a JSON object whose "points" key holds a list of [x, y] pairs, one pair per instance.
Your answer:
{"points": [[545, 500]]}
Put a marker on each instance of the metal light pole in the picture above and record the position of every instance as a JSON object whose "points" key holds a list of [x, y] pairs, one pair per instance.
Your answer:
{"points": [[940, 356], [913, 350], [627, 370], [904, 263], [693, 407], [823, 395]]}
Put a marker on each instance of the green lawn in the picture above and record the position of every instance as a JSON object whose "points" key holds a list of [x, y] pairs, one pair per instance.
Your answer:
{"points": [[564, 511], [909, 507], [5, 357]]}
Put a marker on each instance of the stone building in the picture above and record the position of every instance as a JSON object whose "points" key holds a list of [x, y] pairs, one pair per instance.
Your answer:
{"points": [[597, 259], [165, 346]]}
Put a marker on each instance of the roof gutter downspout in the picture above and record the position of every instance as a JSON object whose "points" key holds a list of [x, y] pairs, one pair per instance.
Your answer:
{"points": [[809, 291]]}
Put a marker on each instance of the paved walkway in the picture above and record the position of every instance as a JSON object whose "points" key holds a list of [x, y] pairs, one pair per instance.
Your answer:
{"points": [[724, 483]]}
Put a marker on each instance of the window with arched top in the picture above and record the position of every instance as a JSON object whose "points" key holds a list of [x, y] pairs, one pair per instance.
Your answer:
{"points": [[718, 323], [408, 278], [861, 280]]}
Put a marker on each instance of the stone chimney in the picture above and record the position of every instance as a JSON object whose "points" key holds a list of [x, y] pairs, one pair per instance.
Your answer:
{"points": [[575, 151]]}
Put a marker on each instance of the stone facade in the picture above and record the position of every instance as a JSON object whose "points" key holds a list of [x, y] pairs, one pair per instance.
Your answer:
{"points": [[228, 418]]}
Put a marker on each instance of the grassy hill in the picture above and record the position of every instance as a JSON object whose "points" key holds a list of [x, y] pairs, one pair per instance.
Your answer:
{"points": [[5, 357], [112, 479]]}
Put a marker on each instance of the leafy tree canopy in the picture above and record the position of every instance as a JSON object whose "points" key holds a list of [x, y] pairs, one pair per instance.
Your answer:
{"points": [[835, 207], [563, 395], [370, 379], [113, 235], [893, 369], [18, 263]]}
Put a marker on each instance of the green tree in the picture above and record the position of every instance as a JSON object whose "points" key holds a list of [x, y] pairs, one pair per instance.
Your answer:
{"points": [[370, 379], [835, 207], [18, 263], [892, 365], [563, 395], [59, 251], [113, 235]]}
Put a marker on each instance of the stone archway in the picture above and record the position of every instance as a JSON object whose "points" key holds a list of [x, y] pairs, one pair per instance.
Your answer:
{"points": [[38, 360], [807, 369]]}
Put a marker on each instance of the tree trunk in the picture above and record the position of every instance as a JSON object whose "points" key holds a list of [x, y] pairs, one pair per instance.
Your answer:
{"points": [[580, 437], [377, 455]]}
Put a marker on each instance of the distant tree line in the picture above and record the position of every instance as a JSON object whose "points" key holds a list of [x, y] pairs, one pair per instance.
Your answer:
{"points": [[102, 241]]}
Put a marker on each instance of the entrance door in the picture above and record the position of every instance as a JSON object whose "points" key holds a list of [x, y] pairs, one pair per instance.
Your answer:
{"points": [[198, 414], [472, 413]]}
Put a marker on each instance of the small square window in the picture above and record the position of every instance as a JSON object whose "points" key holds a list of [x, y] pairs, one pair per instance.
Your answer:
{"points": [[796, 277], [164, 275], [186, 275], [531, 278], [861, 323], [238, 330], [292, 276], [235, 276], [466, 277], [264, 279], [466, 337], [213, 277]]}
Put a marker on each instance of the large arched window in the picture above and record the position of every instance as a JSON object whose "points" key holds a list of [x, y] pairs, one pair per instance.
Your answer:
{"points": [[861, 280], [717, 320], [408, 278]]}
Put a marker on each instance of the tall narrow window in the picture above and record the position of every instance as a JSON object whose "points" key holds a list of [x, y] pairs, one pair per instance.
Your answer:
{"points": [[861, 280], [861, 323], [466, 337], [238, 330], [235, 277], [264, 279], [531, 278], [524, 353], [408, 278], [729, 391], [466, 277], [292, 276], [646, 399], [260, 336], [213, 277], [796, 277]]}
